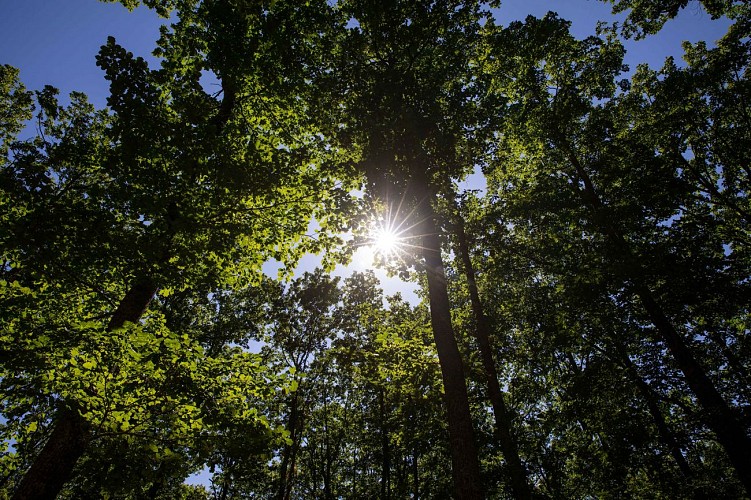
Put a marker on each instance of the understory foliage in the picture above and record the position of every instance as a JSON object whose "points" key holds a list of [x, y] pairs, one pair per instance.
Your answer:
{"points": [[603, 269]]}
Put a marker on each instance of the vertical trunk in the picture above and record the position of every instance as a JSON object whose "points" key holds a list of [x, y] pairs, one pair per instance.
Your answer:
{"points": [[717, 413], [415, 476], [55, 462], [326, 451], [736, 365], [287, 468], [71, 435], [385, 449], [464, 457], [503, 425]]}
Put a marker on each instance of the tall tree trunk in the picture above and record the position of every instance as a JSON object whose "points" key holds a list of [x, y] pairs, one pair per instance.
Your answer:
{"points": [[716, 412], [328, 459], [72, 434], [415, 475], [289, 453], [385, 448], [654, 409], [464, 457], [482, 331]]}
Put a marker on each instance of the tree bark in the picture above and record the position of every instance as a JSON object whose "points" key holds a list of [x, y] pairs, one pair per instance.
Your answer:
{"points": [[72, 433], [54, 465], [415, 475], [289, 452], [385, 448], [716, 413], [659, 419], [503, 426], [464, 457]]}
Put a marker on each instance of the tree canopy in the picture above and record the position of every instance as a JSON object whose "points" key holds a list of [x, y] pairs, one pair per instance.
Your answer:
{"points": [[583, 323]]}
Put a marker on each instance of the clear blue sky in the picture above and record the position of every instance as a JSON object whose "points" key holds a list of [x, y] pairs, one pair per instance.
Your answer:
{"points": [[54, 41]]}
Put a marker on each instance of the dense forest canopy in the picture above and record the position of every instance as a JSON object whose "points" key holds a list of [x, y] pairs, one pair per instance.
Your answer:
{"points": [[583, 325]]}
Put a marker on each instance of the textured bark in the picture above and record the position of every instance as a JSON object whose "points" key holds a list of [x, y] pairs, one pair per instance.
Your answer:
{"points": [[56, 461], [666, 435], [289, 453], [385, 449], [415, 475], [464, 458], [716, 413], [134, 304], [482, 331], [71, 435]]}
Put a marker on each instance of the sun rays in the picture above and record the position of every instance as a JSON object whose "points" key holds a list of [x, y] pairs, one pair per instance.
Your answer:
{"points": [[386, 241], [393, 238]]}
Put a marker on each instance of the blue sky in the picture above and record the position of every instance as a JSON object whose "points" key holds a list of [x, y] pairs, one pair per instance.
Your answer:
{"points": [[55, 41]]}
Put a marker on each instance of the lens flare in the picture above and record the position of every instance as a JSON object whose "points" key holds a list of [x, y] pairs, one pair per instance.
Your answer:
{"points": [[386, 242]]}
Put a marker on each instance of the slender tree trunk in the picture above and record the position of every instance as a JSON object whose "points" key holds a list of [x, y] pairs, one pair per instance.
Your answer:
{"points": [[72, 434], [327, 451], [464, 457], [415, 475], [654, 409], [716, 412], [482, 331], [385, 449], [289, 452], [737, 369]]}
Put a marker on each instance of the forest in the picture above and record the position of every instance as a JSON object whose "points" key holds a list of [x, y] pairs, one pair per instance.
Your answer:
{"points": [[583, 328]]}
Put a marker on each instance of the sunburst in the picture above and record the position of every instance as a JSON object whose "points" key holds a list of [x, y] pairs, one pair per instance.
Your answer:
{"points": [[390, 238], [386, 242]]}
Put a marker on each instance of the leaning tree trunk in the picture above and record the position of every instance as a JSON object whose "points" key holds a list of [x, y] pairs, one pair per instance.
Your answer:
{"points": [[71, 435], [717, 414], [55, 463], [464, 457], [482, 331], [652, 401]]}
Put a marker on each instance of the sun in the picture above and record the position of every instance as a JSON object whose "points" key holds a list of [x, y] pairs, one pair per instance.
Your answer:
{"points": [[386, 241]]}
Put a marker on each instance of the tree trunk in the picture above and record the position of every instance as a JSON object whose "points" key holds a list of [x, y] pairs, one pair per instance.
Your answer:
{"points": [[464, 458], [328, 459], [289, 453], [55, 463], [72, 434], [482, 331], [716, 412], [385, 448], [654, 409], [415, 475]]}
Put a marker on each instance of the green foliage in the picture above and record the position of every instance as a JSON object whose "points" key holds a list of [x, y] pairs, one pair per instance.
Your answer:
{"points": [[171, 184], [194, 189], [647, 17], [583, 159]]}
